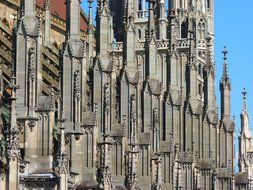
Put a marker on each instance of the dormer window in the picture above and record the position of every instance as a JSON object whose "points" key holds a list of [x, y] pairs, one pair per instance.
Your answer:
{"points": [[201, 30]]}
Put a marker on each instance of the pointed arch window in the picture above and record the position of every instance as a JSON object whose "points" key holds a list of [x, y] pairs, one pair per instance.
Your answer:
{"points": [[184, 29], [200, 90], [139, 34], [140, 5], [201, 29]]}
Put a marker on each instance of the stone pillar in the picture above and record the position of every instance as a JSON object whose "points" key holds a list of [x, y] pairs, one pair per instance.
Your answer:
{"points": [[129, 55], [13, 153], [151, 52], [225, 89], [31, 143], [91, 34], [73, 17], [47, 35], [104, 31], [29, 7], [13, 177], [3, 182], [156, 172], [162, 20], [63, 162]]}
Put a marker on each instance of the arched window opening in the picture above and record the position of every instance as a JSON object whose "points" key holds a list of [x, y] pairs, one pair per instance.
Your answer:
{"points": [[139, 34], [184, 29], [142, 9], [203, 31], [200, 89], [140, 5], [199, 30]]}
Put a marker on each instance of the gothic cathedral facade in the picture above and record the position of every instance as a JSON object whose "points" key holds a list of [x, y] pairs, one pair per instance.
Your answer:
{"points": [[132, 105]]}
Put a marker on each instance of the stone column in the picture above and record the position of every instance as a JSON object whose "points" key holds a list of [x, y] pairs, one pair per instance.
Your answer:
{"points": [[3, 182], [47, 23], [62, 160], [13, 153]]}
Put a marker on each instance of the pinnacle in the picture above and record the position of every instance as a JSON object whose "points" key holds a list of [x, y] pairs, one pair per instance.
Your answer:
{"points": [[225, 76], [244, 93]]}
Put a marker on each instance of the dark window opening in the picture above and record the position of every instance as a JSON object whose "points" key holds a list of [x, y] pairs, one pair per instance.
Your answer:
{"points": [[139, 33], [184, 29], [200, 90], [208, 4]]}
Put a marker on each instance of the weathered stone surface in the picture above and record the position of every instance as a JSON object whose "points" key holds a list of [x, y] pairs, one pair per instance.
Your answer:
{"points": [[140, 112]]}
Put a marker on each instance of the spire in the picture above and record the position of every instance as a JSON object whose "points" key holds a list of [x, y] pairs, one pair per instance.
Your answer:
{"points": [[162, 20], [131, 7], [244, 114], [130, 39], [151, 42], [225, 88], [47, 6], [104, 31], [73, 18], [161, 9], [29, 7], [244, 93], [90, 31], [225, 77], [90, 13], [152, 4]]}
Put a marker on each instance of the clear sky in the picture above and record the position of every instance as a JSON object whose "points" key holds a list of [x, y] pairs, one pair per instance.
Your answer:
{"points": [[234, 29]]}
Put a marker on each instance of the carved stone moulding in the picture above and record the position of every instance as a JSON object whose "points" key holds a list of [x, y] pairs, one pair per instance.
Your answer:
{"points": [[38, 181]]}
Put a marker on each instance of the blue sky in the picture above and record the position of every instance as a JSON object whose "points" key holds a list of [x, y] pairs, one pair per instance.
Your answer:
{"points": [[234, 29]]}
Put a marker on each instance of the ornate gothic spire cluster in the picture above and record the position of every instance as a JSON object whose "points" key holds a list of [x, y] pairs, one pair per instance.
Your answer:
{"points": [[139, 112]]}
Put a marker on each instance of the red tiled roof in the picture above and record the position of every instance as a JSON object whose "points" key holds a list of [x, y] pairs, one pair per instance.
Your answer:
{"points": [[58, 8]]}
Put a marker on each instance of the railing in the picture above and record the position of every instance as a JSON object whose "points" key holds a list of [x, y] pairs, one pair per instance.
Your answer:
{"points": [[140, 46], [183, 43], [117, 46], [162, 44], [142, 14]]}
